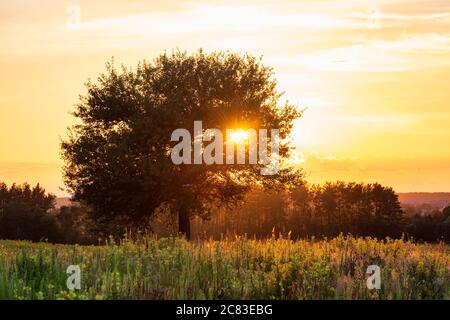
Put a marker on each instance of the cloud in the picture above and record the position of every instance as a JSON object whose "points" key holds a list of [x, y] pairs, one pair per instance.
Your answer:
{"points": [[430, 42], [402, 54], [7, 168], [216, 18], [363, 165], [426, 173]]}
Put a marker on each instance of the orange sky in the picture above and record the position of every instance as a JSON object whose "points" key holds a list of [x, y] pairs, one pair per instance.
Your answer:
{"points": [[376, 90]]}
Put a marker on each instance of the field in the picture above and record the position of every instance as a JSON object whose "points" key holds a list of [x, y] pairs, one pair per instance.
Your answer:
{"points": [[239, 268]]}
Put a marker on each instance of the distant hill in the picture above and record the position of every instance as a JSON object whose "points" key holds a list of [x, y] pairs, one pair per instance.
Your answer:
{"points": [[63, 201], [438, 200]]}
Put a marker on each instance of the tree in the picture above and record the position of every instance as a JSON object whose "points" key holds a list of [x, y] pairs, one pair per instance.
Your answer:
{"points": [[118, 157], [446, 212], [24, 213], [74, 225]]}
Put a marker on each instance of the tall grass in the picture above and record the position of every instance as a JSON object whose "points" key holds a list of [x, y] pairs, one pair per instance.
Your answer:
{"points": [[239, 268]]}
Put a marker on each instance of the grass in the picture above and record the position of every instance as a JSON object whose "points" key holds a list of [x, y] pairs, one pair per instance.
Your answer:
{"points": [[172, 268]]}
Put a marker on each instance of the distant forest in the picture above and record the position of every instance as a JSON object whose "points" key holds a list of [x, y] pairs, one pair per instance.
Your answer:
{"points": [[29, 213]]}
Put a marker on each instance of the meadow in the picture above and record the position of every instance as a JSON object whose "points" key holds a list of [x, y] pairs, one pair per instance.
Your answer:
{"points": [[236, 268]]}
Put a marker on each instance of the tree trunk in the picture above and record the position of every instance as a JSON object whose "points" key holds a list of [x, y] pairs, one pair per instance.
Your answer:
{"points": [[184, 224]]}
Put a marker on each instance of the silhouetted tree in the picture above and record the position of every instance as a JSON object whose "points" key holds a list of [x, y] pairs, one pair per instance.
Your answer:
{"points": [[74, 225], [433, 226], [446, 212], [24, 213], [118, 158], [327, 210]]}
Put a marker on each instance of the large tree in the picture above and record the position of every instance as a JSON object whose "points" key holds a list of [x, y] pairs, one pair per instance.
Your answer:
{"points": [[118, 156]]}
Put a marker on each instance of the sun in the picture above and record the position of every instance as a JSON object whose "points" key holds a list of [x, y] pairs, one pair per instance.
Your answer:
{"points": [[239, 136]]}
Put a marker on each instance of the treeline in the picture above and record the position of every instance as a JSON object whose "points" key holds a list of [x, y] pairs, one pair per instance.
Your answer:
{"points": [[28, 213], [435, 224], [326, 211]]}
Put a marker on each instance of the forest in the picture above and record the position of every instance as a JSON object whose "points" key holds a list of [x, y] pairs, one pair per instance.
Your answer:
{"points": [[29, 213]]}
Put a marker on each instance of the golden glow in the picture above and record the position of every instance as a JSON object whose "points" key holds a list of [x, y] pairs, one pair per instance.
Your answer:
{"points": [[239, 136], [376, 99]]}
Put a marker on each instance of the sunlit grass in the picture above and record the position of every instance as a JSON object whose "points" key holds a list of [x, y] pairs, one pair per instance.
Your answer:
{"points": [[239, 268]]}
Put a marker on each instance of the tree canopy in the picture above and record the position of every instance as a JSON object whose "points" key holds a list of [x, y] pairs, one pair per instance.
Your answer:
{"points": [[23, 213], [118, 157]]}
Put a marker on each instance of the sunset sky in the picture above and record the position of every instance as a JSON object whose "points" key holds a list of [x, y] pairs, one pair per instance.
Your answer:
{"points": [[376, 91]]}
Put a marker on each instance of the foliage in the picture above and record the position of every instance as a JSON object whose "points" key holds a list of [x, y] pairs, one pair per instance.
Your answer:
{"points": [[29, 214], [239, 268], [328, 210], [432, 226], [24, 213], [118, 157]]}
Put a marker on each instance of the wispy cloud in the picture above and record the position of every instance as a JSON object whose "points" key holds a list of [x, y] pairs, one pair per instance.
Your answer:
{"points": [[369, 91], [379, 55]]}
